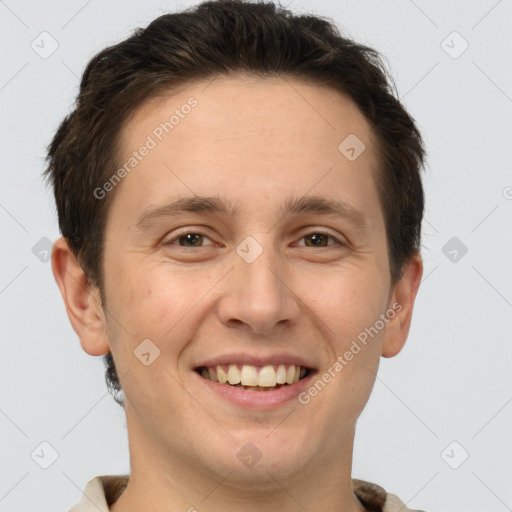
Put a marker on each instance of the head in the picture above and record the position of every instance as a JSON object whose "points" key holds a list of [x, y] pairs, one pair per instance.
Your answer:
{"points": [[256, 109]]}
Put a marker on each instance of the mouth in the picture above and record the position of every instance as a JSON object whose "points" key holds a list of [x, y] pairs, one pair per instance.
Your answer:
{"points": [[255, 378]]}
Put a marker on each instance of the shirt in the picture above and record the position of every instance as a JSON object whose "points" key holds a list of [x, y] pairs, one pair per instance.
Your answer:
{"points": [[103, 491]]}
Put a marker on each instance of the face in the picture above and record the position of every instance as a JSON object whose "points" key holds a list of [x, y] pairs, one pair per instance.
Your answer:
{"points": [[261, 275]]}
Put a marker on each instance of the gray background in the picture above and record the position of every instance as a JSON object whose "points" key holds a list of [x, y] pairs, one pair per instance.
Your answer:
{"points": [[452, 381]]}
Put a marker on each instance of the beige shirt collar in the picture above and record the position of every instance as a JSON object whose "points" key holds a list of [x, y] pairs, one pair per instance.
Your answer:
{"points": [[103, 491]]}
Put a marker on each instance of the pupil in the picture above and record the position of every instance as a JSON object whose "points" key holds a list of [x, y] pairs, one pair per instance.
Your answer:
{"points": [[189, 238], [317, 237]]}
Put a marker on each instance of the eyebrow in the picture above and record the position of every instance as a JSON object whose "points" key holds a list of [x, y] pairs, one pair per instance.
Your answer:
{"points": [[219, 205]]}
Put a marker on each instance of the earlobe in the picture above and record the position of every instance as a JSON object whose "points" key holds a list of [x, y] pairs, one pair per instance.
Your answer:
{"points": [[402, 302], [83, 305]]}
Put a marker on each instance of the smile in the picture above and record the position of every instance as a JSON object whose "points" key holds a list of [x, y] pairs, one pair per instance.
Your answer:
{"points": [[254, 378]]}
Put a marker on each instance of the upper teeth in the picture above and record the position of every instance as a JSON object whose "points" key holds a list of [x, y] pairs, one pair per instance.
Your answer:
{"points": [[248, 375]]}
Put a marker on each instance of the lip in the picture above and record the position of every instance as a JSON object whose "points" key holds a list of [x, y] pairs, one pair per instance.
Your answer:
{"points": [[271, 359], [256, 400]]}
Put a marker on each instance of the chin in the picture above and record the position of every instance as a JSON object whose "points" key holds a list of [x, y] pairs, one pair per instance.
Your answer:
{"points": [[257, 458]]}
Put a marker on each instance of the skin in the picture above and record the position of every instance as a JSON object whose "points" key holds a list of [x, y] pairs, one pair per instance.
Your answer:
{"points": [[256, 142]]}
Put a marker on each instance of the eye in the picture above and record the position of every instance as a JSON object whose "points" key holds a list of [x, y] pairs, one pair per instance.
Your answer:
{"points": [[194, 239], [319, 236], [188, 239]]}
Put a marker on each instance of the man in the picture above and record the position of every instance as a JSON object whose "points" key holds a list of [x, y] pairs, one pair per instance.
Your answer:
{"points": [[239, 196]]}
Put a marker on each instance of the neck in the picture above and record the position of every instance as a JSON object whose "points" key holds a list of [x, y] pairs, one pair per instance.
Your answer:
{"points": [[162, 481]]}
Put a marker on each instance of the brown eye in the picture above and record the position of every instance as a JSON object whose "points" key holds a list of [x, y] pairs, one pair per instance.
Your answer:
{"points": [[188, 239], [320, 238]]}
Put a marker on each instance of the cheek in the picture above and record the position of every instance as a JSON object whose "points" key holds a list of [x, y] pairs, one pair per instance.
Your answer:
{"points": [[158, 307], [349, 301], [359, 330], [356, 301], [157, 303], [165, 305]]}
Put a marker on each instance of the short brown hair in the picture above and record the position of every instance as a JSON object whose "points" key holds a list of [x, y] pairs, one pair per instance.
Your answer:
{"points": [[221, 38]]}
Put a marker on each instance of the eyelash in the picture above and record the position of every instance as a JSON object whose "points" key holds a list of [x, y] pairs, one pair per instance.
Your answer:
{"points": [[312, 232]]}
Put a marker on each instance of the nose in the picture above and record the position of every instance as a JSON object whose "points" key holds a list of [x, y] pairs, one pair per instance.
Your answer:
{"points": [[259, 295]]}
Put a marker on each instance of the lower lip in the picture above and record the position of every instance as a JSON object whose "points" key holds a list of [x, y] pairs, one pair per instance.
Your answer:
{"points": [[258, 399]]}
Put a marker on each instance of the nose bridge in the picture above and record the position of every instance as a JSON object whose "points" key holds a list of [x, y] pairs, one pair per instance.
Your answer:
{"points": [[259, 266], [257, 294]]}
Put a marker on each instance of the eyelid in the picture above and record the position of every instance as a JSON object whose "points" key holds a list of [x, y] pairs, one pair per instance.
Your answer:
{"points": [[187, 231], [339, 240]]}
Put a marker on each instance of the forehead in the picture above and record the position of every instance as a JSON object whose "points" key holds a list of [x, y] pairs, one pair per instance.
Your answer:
{"points": [[245, 135], [242, 110]]}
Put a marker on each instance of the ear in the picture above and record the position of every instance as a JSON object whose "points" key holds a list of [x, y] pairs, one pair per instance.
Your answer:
{"points": [[83, 304], [402, 303]]}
